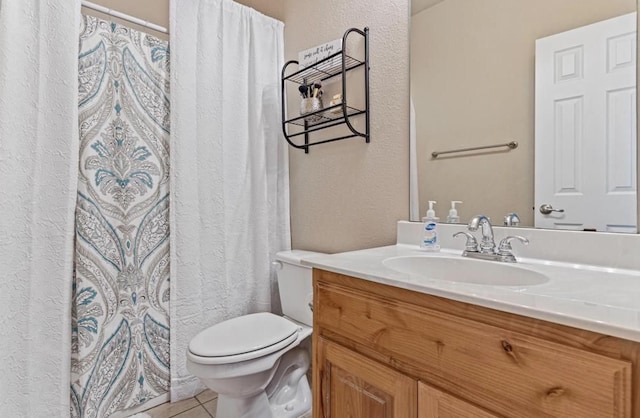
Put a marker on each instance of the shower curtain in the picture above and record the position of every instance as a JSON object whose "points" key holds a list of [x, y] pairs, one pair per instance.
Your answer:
{"points": [[38, 176], [229, 178], [120, 318]]}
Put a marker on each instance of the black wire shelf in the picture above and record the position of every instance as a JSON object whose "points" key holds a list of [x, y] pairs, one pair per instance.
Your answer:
{"points": [[337, 64], [324, 69], [323, 116]]}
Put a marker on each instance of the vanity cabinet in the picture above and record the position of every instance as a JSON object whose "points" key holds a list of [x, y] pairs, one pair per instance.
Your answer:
{"points": [[382, 351]]}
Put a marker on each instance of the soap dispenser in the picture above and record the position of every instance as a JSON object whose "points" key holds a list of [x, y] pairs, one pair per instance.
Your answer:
{"points": [[429, 240], [453, 217]]}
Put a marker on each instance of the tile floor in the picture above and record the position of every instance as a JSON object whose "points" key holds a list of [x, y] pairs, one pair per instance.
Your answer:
{"points": [[202, 405]]}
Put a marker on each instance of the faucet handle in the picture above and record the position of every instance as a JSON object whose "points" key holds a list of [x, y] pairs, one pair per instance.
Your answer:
{"points": [[472, 244], [505, 244]]}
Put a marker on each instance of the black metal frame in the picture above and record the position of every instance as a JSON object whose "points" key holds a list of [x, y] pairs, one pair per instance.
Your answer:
{"points": [[321, 71]]}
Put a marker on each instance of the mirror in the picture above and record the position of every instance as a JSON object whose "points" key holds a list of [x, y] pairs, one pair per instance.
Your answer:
{"points": [[473, 83]]}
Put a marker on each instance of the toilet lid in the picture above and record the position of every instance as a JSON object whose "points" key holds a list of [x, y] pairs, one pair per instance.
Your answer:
{"points": [[243, 334]]}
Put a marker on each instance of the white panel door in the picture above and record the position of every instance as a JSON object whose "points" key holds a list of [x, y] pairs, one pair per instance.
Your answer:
{"points": [[585, 127]]}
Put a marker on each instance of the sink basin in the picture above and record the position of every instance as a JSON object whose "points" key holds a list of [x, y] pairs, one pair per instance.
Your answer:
{"points": [[465, 270]]}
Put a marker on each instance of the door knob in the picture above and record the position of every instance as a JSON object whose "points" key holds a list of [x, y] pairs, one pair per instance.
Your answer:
{"points": [[546, 209]]}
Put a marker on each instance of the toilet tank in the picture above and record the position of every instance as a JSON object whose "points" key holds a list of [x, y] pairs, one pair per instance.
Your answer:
{"points": [[295, 285]]}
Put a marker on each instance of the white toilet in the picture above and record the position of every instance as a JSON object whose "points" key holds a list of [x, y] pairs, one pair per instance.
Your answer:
{"points": [[253, 361]]}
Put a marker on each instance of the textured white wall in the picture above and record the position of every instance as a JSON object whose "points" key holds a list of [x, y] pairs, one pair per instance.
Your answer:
{"points": [[347, 195]]}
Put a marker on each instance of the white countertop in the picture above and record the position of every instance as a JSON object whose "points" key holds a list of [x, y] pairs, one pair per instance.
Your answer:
{"points": [[600, 299]]}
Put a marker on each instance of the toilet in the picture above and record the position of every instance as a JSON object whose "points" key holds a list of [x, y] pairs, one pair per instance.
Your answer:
{"points": [[254, 361]]}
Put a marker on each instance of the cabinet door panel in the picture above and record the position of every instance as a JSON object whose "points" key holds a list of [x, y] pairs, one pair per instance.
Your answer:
{"points": [[433, 403], [354, 386]]}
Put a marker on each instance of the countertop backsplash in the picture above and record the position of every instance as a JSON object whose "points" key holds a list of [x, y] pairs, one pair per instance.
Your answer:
{"points": [[612, 250]]}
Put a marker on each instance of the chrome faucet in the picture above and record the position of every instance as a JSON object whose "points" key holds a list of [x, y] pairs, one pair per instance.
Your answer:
{"points": [[487, 249], [487, 245]]}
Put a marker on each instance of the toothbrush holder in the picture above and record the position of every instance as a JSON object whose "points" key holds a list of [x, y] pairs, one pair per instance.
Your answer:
{"points": [[310, 105]]}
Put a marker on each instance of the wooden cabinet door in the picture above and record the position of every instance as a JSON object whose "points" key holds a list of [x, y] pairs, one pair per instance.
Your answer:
{"points": [[433, 403], [354, 386]]}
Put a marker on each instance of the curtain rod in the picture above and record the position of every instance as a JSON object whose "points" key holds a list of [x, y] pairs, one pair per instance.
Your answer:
{"points": [[120, 15]]}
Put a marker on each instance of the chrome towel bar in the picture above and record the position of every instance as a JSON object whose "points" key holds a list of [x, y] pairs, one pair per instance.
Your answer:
{"points": [[510, 145]]}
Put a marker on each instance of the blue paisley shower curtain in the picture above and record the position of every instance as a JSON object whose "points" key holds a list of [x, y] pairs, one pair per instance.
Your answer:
{"points": [[120, 320]]}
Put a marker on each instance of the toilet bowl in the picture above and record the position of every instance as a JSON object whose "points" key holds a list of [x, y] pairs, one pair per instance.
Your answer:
{"points": [[254, 361]]}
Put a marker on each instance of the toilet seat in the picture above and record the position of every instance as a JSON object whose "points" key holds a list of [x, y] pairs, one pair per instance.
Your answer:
{"points": [[243, 338]]}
